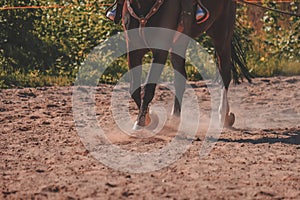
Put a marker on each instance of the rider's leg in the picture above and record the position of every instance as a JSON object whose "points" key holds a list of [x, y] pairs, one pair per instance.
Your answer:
{"points": [[119, 11], [188, 15], [116, 13], [199, 13]]}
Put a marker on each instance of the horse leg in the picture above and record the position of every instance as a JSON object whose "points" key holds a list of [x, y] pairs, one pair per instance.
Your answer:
{"points": [[159, 59], [135, 72], [180, 76], [222, 34], [178, 63], [225, 116], [225, 66]]}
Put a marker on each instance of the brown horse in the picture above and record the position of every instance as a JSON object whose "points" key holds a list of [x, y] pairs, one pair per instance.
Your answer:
{"points": [[168, 14]]}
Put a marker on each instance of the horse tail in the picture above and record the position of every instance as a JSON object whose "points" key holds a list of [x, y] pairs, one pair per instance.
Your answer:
{"points": [[238, 58]]}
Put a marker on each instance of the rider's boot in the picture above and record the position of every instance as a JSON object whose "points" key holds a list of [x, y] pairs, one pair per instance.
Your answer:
{"points": [[116, 13], [199, 13]]}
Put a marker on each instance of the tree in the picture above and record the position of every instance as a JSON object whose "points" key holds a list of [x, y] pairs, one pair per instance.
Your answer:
{"points": [[21, 49]]}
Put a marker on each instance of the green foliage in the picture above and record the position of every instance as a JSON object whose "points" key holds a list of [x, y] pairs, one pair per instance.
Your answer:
{"points": [[49, 42], [282, 34], [75, 29], [275, 47], [32, 79], [20, 48]]}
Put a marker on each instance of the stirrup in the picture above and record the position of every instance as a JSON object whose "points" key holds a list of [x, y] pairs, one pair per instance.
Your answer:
{"points": [[202, 14], [199, 13], [111, 14]]}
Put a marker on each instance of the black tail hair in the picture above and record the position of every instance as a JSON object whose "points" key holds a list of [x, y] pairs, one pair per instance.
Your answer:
{"points": [[238, 58]]}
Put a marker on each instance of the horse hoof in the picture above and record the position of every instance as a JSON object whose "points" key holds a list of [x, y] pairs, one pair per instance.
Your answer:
{"points": [[142, 122], [230, 119], [136, 127], [152, 121], [175, 113]]}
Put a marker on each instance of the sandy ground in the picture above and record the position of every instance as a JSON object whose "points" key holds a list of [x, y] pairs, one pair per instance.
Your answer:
{"points": [[43, 157]]}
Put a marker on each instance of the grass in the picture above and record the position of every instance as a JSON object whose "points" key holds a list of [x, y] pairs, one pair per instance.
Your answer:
{"points": [[17, 80], [275, 68], [261, 68]]}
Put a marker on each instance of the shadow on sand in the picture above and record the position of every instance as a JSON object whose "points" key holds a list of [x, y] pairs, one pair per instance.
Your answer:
{"points": [[291, 136]]}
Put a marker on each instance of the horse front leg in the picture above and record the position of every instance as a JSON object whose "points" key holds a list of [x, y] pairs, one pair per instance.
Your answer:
{"points": [[135, 72], [159, 59]]}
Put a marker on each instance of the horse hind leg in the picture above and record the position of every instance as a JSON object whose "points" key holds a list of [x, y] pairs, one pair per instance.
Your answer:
{"points": [[180, 76], [222, 33], [226, 117], [225, 66], [223, 52], [178, 53]]}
